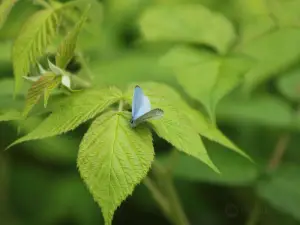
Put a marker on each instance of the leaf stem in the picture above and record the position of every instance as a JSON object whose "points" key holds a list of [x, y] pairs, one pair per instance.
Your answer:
{"points": [[164, 193], [121, 105], [278, 152]]}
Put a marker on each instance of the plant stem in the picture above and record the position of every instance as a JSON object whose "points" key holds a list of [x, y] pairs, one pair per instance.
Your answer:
{"points": [[274, 162], [279, 151], [255, 213], [164, 193]]}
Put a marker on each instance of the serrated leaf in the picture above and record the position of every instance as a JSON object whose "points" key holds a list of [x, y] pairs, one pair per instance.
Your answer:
{"points": [[188, 23], [49, 88], [289, 84], [113, 158], [261, 110], [5, 8], [35, 35], [281, 190], [274, 52], [72, 112], [205, 76], [174, 126], [10, 115], [66, 49], [196, 118], [38, 89]]}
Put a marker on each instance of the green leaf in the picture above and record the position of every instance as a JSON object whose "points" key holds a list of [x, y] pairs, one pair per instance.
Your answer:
{"points": [[235, 170], [50, 87], [198, 121], [274, 53], [188, 23], [289, 84], [5, 8], [43, 85], [34, 37], [10, 115], [66, 49], [72, 112], [282, 190], [113, 158], [262, 110], [174, 126], [205, 76]]}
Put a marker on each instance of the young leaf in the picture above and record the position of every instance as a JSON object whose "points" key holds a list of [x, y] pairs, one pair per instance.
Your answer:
{"points": [[198, 121], [36, 34], [205, 76], [174, 126], [72, 112], [188, 23], [43, 85], [66, 49], [5, 8], [49, 88], [273, 52], [113, 158]]}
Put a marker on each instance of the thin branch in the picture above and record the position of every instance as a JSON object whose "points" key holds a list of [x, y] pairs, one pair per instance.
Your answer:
{"points": [[279, 151]]}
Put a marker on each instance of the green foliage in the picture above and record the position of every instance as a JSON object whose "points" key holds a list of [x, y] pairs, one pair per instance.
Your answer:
{"points": [[262, 110], [43, 86], [10, 115], [235, 170], [34, 37], [174, 127], [289, 84], [188, 23], [218, 69], [274, 52], [113, 158], [161, 94], [205, 76], [66, 49], [281, 190], [73, 111], [5, 8]]}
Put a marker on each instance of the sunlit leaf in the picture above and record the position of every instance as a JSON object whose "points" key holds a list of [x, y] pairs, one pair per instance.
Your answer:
{"points": [[50, 87], [66, 49], [174, 126], [187, 23], [42, 86], [205, 76], [72, 112], [196, 118], [113, 158], [36, 34]]}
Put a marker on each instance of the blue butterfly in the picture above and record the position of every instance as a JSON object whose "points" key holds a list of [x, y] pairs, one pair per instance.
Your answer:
{"points": [[141, 108]]}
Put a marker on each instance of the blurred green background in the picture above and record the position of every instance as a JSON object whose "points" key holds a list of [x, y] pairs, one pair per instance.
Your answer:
{"points": [[39, 181]]}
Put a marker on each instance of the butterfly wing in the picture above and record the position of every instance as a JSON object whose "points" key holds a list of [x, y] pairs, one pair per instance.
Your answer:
{"points": [[140, 103], [153, 114]]}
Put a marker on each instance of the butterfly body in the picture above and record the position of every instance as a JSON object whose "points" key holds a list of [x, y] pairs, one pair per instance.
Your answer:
{"points": [[141, 108]]}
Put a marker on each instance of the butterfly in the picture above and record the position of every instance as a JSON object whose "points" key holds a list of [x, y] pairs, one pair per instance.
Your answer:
{"points": [[141, 108]]}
